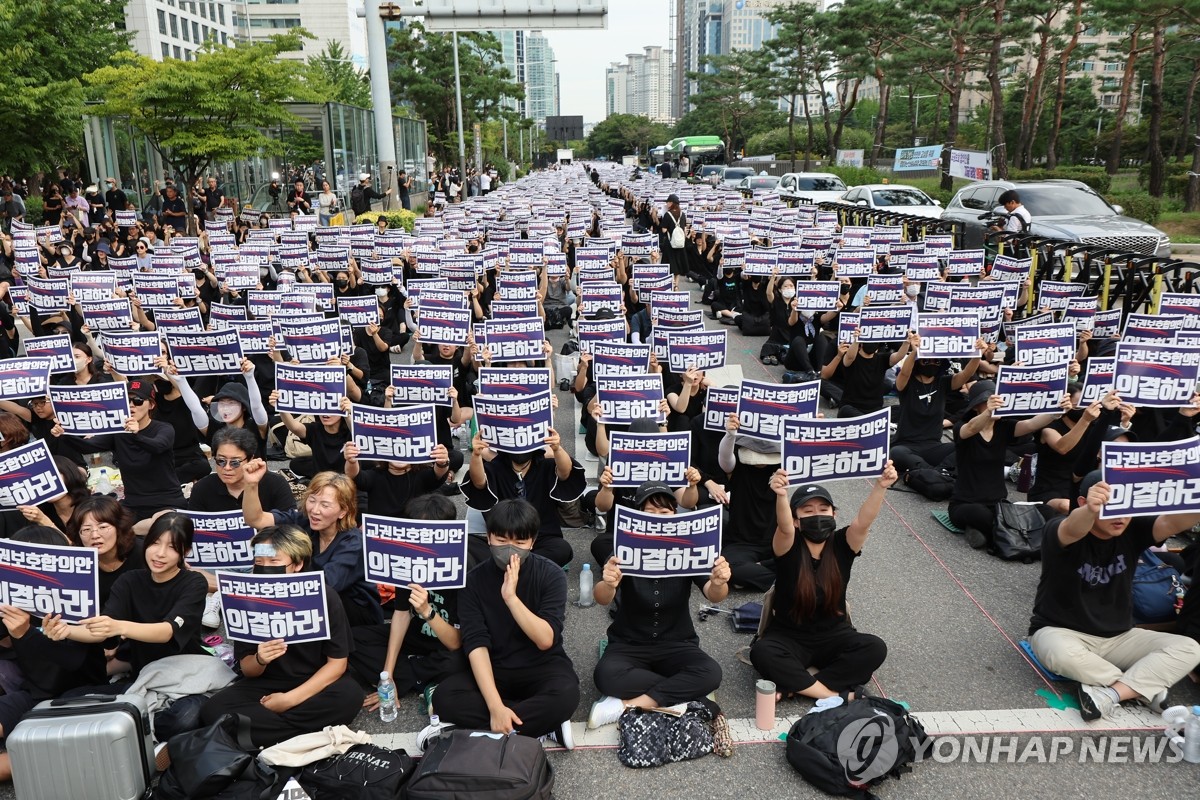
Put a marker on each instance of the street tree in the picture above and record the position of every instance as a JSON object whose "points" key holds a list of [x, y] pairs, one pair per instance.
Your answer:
{"points": [[332, 75]]}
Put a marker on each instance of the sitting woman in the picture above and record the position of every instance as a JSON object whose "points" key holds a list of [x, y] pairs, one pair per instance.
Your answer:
{"points": [[156, 610], [808, 625], [297, 688], [233, 448], [328, 512], [103, 524], [653, 659]]}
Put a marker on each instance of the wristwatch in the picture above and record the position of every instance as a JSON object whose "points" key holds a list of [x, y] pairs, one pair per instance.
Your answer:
{"points": [[432, 613]]}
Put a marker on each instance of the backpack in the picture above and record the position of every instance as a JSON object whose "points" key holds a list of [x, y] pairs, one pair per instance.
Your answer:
{"points": [[933, 484], [1156, 588], [1017, 532], [464, 764], [357, 200], [844, 750], [364, 772]]}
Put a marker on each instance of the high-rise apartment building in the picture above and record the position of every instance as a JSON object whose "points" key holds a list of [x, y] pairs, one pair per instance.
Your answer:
{"points": [[178, 28], [642, 85], [530, 62]]}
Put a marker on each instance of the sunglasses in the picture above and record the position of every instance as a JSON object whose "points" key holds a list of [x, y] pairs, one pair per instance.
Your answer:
{"points": [[141, 247], [232, 463], [137, 401]]}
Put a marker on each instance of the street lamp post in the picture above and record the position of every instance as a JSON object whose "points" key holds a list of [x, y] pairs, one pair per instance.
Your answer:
{"points": [[462, 145], [1096, 145], [917, 107]]}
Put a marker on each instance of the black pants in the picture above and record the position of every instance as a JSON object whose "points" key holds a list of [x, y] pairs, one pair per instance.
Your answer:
{"points": [[543, 697], [803, 356], [981, 516], [844, 658], [336, 704], [751, 565], [555, 548], [192, 470], [930, 456], [181, 716], [602, 549], [669, 672], [413, 669]]}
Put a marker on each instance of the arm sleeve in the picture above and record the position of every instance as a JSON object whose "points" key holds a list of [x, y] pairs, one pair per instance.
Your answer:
{"points": [[257, 410], [192, 401], [552, 605]]}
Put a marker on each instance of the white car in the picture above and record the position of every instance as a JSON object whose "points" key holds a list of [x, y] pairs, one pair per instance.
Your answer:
{"points": [[811, 187], [894, 197]]}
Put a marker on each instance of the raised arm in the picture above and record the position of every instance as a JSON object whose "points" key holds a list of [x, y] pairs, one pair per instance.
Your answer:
{"points": [[860, 528], [252, 510], [785, 526]]}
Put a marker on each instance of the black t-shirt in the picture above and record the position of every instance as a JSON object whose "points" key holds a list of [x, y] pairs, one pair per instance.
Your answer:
{"points": [[136, 559], [862, 381], [754, 299], [487, 621], [654, 610], [187, 438], [301, 661], [1052, 478], [147, 463], [420, 640], [250, 426], [388, 494], [175, 207], [751, 505], [326, 446], [922, 409], [980, 464], [137, 597], [1088, 586], [788, 568], [209, 494]]}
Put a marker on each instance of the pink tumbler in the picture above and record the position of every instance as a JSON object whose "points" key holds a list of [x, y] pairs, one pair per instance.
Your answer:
{"points": [[764, 705]]}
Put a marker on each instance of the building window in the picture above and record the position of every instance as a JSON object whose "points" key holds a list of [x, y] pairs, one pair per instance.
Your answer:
{"points": [[196, 32], [166, 50], [1114, 67], [224, 38], [1089, 66], [162, 22], [174, 27], [284, 23], [178, 55], [1110, 99], [186, 36], [221, 11], [204, 10]]}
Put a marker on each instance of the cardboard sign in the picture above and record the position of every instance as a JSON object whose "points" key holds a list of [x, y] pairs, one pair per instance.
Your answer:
{"points": [[429, 553], [1156, 376], [1028, 391], [514, 425], [221, 540], [1151, 479], [21, 378], [313, 389], [419, 384], [259, 608], [196, 353], [624, 398], [702, 350], [948, 335], [28, 476], [400, 435], [762, 406]]}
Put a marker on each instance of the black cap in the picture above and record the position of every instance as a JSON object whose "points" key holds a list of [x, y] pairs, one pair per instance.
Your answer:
{"points": [[141, 388], [673, 198], [650, 489], [1089, 480], [981, 392], [810, 491], [1114, 432]]}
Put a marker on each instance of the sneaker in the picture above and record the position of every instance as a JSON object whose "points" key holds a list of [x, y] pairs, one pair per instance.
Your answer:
{"points": [[1094, 702], [162, 759], [975, 538], [212, 611], [431, 732], [605, 711], [561, 737], [1156, 703]]}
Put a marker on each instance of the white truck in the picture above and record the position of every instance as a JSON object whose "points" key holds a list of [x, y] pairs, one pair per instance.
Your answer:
{"points": [[565, 155]]}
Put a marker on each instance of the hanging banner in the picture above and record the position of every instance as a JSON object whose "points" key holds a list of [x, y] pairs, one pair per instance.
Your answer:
{"points": [[971, 164], [918, 158], [429, 553], [850, 158], [835, 449]]}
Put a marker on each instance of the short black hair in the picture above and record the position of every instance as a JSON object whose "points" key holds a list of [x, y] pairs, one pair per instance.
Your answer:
{"points": [[178, 527], [240, 438], [431, 507], [517, 519], [1009, 196], [40, 534]]}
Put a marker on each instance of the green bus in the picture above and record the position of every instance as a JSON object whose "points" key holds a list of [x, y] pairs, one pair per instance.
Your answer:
{"points": [[699, 149]]}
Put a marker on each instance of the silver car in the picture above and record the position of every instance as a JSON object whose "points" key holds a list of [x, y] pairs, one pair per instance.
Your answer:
{"points": [[1060, 209]]}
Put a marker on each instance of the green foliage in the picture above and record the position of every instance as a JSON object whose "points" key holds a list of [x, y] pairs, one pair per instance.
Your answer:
{"points": [[776, 141], [332, 76], [856, 176], [622, 134], [47, 45], [1176, 180], [33, 210], [1094, 177], [1138, 205], [397, 218], [227, 105]]}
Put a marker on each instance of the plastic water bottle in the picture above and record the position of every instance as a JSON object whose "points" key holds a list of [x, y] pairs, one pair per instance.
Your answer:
{"points": [[585, 587], [1191, 737], [387, 698], [104, 483]]}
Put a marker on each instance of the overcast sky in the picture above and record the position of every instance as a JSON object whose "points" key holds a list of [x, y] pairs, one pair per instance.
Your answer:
{"points": [[584, 55]]}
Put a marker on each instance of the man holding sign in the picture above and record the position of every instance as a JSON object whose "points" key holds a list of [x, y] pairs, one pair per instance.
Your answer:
{"points": [[1082, 623]]}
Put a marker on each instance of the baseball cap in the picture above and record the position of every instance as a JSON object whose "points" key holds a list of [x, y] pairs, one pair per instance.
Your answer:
{"points": [[141, 389], [363, 176], [1114, 432], [810, 491], [1089, 480], [672, 198], [650, 489]]}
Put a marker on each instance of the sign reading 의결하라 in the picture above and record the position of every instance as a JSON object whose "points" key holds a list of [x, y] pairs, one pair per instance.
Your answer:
{"points": [[948, 335], [91, 409], [28, 476], [1028, 391], [514, 424], [624, 398], [131, 353], [57, 348], [24, 377], [719, 403], [1045, 345], [259, 608], [1151, 479], [431, 553], [618, 358], [44, 579], [1158, 375], [221, 540], [701, 350], [635, 458], [762, 406], [415, 384], [310, 389], [516, 339], [197, 353], [885, 323], [835, 449], [1099, 379], [661, 546], [404, 435]]}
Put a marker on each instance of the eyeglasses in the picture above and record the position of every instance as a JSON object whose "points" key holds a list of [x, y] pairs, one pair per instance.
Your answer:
{"points": [[232, 463], [141, 247], [137, 401], [39, 401]]}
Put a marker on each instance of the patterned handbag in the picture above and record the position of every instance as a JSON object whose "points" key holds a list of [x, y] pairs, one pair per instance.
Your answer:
{"points": [[651, 738]]}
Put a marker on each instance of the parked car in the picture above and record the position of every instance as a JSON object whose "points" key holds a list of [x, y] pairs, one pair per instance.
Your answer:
{"points": [[1060, 209], [894, 197], [732, 176], [710, 173], [757, 184], [811, 187]]}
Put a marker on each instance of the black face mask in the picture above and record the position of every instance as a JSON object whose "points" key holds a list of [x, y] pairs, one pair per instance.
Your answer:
{"points": [[520, 459], [269, 570], [341, 283], [869, 349], [928, 370], [1075, 414], [818, 527]]}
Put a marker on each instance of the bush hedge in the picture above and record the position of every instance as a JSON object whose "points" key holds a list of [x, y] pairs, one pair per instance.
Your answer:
{"points": [[33, 210], [396, 218], [1094, 177], [1138, 205]]}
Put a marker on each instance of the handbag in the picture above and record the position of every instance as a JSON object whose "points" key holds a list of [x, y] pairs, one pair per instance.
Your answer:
{"points": [[1017, 532], [1156, 589], [651, 738], [364, 772], [205, 762]]}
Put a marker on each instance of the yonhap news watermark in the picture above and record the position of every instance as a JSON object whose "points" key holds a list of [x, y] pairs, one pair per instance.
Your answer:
{"points": [[1151, 747]]}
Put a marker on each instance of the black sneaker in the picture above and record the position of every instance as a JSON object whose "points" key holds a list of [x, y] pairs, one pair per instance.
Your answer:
{"points": [[975, 538], [1094, 702]]}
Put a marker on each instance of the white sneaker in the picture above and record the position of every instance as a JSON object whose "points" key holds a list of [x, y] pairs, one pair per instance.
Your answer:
{"points": [[431, 732], [561, 737], [605, 711], [212, 611]]}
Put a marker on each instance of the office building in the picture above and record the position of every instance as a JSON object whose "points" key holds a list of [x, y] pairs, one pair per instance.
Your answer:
{"points": [[328, 20], [178, 28], [530, 62]]}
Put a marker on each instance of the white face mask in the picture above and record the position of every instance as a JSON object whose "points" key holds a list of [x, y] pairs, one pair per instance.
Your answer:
{"points": [[382, 294], [912, 290], [788, 294], [806, 314], [228, 410]]}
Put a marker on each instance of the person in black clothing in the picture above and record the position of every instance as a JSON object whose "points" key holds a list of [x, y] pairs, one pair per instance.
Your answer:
{"points": [[327, 435], [653, 658], [290, 689], [404, 185], [727, 297], [143, 454], [665, 226], [115, 198], [423, 628], [754, 319], [462, 387], [864, 367], [1082, 623], [544, 482], [222, 489], [511, 614], [174, 212], [103, 524], [808, 625], [390, 488], [1059, 444], [363, 195], [298, 199], [746, 542], [980, 445]]}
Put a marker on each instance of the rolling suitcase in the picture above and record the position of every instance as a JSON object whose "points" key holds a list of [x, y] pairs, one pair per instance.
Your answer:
{"points": [[96, 747]]}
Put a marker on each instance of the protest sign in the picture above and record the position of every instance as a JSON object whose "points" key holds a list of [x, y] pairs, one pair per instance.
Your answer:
{"points": [[1151, 479], [178, 319], [444, 326], [107, 315], [1045, 345], [430, 553], [1156, 375], [221, 540], [417, 384], [311, 389], [1055, 295], [600, 330], [885, 323], [155, 291], [359, 311], [618, 358], [854, 263], [918, 158], [1099, 379], [1182, 305], [1028, 391], [650, 545], [635, 458], [700, 350], [835, 449], [964, 263], [28, 476], [57, 348], [312, 342], [719, 403], [762, 406], [514, 424], [948, 335], [847, 327], [516, 339], [259, 608], [254, 334], [400, 435], [196, 353], [1151, 328], [624, 398], [509, 382], [24, 377], [91, 409], [817, 296], [883, 290], [1007, 268], [44, 579]]}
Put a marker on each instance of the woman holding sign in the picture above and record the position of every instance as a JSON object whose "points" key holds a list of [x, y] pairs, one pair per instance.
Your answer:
{"points": [[653, 659], [808, 625], [290, 689]]}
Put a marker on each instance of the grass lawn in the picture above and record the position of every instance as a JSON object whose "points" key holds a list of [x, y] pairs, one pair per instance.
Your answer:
{"points": [[1181, 227]]}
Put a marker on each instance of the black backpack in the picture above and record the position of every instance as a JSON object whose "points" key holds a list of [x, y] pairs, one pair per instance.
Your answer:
{"points": [[364, 772], [844, 750], [480, 764], [934, 484], [357, 201]]}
